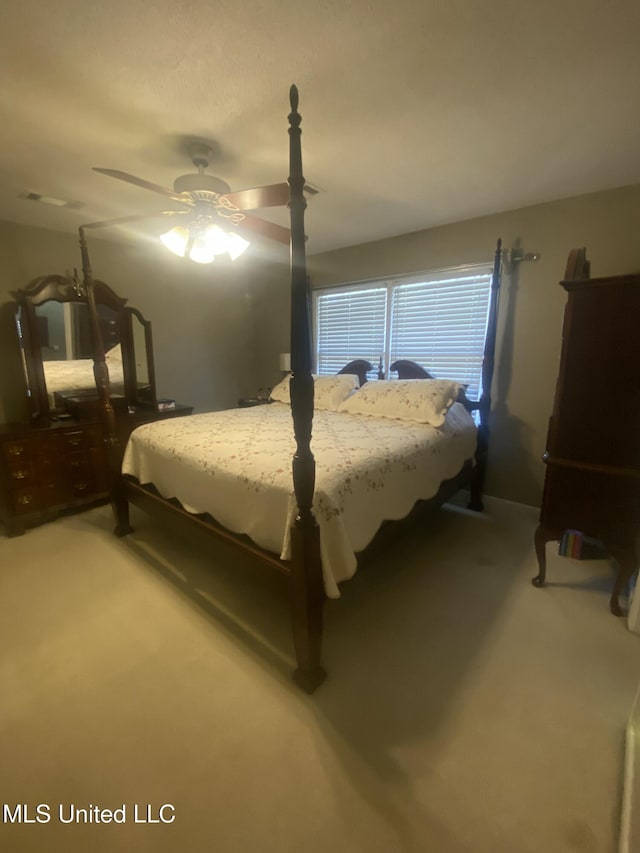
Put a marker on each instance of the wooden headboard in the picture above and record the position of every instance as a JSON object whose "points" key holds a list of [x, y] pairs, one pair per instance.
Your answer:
{"points": [[360, 367], [410, 370]]}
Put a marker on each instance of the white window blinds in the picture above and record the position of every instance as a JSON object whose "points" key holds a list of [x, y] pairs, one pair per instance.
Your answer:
{"points": [[350, 323], [436, 319], [441, 325]]}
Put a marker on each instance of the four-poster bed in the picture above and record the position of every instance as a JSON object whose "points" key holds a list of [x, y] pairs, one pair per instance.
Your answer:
{"points": [[306, 556]]}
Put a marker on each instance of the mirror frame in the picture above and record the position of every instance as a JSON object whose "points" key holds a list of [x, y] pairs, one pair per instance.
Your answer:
{"points": [[132, 389], [62, 289]]}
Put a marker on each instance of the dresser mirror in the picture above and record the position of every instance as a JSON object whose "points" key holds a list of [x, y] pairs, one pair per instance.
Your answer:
{"points": [[140, 344], [57, 347]]}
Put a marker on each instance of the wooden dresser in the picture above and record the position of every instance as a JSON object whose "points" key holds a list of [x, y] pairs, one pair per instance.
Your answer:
{"points": [[58, 460], [47, 469], [58, 466], [592, 481]]}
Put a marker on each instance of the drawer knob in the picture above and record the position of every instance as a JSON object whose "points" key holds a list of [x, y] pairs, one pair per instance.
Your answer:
{"points": [[81, 487], [20, 474], [25, 500], [75, 440], [16, 450]]}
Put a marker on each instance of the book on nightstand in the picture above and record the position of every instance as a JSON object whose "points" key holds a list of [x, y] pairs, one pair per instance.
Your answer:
{"points": [[165, 404]]}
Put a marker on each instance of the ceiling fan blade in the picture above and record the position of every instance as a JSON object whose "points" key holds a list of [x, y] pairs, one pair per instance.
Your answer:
{"points": [[146, 185], [264, 228], [122, 220], [276, 195]]}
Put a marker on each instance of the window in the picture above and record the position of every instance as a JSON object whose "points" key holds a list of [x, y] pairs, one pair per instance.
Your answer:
{"points": [[350, 323], [436, 319]]}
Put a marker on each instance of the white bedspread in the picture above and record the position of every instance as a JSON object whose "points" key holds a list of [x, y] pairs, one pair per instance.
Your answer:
{"points": [[236, 466]]}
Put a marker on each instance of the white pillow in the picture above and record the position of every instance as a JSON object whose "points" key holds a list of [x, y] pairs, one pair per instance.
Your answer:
{"points": [[328, 391], [426, 401]]}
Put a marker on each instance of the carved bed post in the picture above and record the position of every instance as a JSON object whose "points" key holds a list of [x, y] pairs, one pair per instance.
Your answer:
{"points": [[101, 373], [307, 589], [484, 407]]}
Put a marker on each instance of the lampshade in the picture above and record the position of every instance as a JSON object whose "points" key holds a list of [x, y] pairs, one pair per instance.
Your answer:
{"points": [[203, 244], [285, 362]]}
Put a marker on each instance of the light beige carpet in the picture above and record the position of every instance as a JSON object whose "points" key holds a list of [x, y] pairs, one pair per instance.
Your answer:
{"points": [[465, 711]]}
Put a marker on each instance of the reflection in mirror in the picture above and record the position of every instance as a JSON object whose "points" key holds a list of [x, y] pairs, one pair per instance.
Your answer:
{"points": [[53, 330], [20, 326], [140, 351], [64, 335], [57, 348]]}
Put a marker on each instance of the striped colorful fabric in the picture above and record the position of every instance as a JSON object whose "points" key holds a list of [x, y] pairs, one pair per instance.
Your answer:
{"points": [[571, 544]]}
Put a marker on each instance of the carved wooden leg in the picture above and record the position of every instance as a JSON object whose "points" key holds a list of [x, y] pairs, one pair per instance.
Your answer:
{"points": [[120, 506], [307, 599], [542, 536], [627, 565]]}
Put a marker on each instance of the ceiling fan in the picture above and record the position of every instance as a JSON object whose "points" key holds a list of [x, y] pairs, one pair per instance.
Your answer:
{"points": [[213, 218]]}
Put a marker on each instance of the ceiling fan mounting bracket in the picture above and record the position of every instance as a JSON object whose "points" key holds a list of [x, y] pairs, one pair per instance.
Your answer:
{"points": [[200, 153]]}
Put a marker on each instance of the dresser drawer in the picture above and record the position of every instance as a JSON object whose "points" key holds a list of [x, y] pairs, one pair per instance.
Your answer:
{"points": [[78, 463], [598, 504], [15, 451], [75, 440], [79, 469], [47, 467], [83, 487], [47, 446], [21, 473], [27, 500]]}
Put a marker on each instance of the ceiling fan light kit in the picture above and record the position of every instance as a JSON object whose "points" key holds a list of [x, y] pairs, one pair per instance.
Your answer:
{"points": [[203, 242]]}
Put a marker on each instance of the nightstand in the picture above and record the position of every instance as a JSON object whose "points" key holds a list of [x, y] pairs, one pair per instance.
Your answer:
{"points": [[127, 422]]}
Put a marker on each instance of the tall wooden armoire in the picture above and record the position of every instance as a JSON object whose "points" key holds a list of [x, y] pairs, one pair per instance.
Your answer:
{"points": [[592, 481]]}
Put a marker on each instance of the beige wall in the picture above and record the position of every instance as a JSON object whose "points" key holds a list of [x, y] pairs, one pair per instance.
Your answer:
{"points": [[531, 306], [202, 316], [271, 322]]}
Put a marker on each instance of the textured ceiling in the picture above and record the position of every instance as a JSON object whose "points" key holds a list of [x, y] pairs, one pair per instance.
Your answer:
{"points": [[415, 113]]}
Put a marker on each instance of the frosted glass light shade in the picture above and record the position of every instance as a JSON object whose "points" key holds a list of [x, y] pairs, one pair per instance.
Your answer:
{"points": [[201, 254], [176, 240], [236, 245], [205, 244], [215, 240]]}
